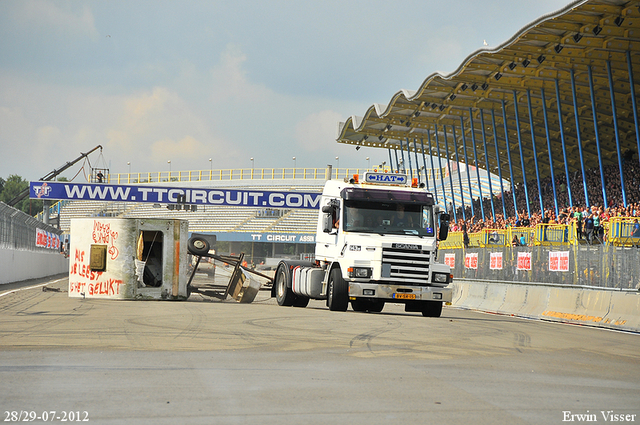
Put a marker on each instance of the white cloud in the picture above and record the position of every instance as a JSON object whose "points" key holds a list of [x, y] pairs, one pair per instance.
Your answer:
{"points": [[51, 16], [318, 131]]}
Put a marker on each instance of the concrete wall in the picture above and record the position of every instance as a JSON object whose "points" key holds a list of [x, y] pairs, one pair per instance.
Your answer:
{"points": [[16, 266], [612, 309]]}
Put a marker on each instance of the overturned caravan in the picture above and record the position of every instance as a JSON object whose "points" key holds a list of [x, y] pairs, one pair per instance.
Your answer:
{"points": [[132, 258]]}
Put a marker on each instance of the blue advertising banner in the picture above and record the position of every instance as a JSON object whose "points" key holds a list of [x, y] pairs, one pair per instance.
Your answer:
{"points": [[172, 195]]}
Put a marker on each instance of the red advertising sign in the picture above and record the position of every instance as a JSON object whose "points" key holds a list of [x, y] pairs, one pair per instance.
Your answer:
{"points": [[471, 260], [450, 260], [46, 239], [524, 261], [496, 261], [559, 261]]}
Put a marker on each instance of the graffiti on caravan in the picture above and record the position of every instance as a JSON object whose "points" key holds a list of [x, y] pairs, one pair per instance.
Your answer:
{"points": [[173, 195]]}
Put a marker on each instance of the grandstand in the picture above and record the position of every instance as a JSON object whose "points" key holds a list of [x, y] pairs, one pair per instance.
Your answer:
{"points": [[242, 220]]}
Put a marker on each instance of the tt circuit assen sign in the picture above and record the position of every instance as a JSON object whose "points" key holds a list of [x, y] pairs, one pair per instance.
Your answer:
{"points": [[172, 195]]}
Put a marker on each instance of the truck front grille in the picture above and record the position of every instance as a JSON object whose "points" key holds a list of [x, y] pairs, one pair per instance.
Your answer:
{"points": [[406, 266]]}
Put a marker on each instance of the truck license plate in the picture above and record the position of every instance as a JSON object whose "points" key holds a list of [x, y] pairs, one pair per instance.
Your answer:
{"points": [[404, 296]]}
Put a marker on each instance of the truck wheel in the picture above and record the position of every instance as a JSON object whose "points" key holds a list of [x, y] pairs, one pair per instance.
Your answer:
{"points": [[376, 306], [369, 305], [432, 309], [284, 294], [338, 292], [198, 246], [301, 301], [359, 304]]}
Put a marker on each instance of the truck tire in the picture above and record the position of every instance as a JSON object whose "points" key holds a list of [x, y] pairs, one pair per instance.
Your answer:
{"points": [[337, 292], [368, 305], [432, 309], [284, 294], [198, 246], [359, 304], [301, 301], [376, 306]]}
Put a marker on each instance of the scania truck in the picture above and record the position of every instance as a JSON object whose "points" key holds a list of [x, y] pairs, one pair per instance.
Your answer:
{"points": [[376, 242]]}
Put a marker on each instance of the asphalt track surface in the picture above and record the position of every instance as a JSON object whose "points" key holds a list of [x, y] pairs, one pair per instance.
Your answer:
{"points": [[204, 361]]}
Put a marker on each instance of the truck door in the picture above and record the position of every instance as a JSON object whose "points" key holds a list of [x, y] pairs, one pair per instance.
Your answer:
{"points": [[329, 226]]}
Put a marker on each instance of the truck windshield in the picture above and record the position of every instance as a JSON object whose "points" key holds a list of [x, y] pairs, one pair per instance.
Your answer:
{"points": [[378, 217]]}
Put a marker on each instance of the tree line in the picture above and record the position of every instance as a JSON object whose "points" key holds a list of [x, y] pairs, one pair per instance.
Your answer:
{"points": [[12, 186]]}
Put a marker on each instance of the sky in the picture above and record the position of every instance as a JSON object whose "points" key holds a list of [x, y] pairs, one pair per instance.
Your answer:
{"points": [[185, 81]]}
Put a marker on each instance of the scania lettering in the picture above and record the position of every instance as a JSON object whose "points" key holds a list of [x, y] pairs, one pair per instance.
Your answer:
{"points": [[376, 242]]}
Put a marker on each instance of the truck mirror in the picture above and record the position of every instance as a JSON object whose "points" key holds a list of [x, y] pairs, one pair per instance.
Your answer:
{"points": [[327, 222], [327, 209], [444, 227]]}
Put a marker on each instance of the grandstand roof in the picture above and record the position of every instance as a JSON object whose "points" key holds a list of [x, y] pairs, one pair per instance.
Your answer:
{"points": [[589, 39]]}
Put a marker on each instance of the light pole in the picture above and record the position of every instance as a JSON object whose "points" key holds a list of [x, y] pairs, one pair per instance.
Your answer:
{"points": [[169, 162], [252, 165], [294, 167], [368, 163], [129, 164]]}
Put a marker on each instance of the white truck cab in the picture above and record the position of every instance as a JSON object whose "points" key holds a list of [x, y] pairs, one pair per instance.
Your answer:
{"points": [[376, 242]]}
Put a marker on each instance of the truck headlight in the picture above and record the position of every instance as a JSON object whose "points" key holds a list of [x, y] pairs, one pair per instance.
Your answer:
{"points": [[439, 277], [362, 272]]}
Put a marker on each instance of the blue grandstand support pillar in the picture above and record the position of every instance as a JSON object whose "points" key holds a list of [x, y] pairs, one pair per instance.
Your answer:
{"points": [[409, 158], [475, 157], [595, 127], [633, 101], [575, 112], [495, 141], [397, 162], [564, 144], [444, 192], [466, 164], [455, 147], [546, 129], [415, 154], [535, 151], [424, 164], [506, 140], [453, 196], [433, 170], [486, 163], [390, 159], [617, 133], [524, 174], [404, 166]]}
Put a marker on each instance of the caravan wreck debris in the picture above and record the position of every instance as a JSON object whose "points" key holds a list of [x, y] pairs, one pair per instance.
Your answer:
{"points": [[150, 259], [128, 258]]}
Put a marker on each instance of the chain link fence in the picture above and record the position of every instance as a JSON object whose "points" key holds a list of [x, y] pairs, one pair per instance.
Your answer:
{"points": [[22, 232], [588, 265]]}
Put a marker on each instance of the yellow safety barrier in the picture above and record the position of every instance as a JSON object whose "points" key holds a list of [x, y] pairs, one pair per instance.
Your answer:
{"points": [[623, 231], [232, 174], [555, 234], [619, 231], [489, 238], [454, 240], [496, 237]]}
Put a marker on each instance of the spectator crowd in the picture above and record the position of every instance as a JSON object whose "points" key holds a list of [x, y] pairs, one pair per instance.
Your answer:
{"points": [[589, 217]]}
